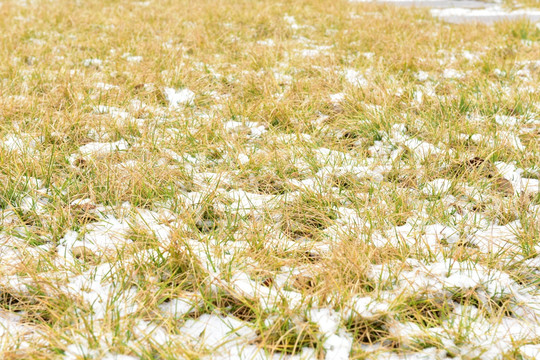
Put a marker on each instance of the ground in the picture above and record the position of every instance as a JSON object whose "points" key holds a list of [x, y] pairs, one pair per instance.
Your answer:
{"points": [[267, 179]]}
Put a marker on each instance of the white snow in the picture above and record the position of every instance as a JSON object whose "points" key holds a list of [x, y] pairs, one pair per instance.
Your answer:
{"points": [[132, 58], [98, 148], [109, 234], [507, 120], [179, 98], [355, 78], [178, 307], [337, 343], [22, 144], [520, 184], [452, 74], [421, 75], [421, 149], [488, 14], [214, 330], [315, 51], [337, 98], [92, 62], [437, 187], [291, 21], [266, 42], [530, 351], [11, 327], [105, 87]]}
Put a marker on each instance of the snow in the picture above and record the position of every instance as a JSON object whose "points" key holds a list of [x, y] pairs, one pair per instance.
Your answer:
{"points": [[77, 351], [355, 78], [336, 343], [85, 253], [497, 239], [102, 296], [119, 357], [530, 351], [151, 331], [266, 42], [368, 307], [99, 148], [512, 173], [406, 332], [452, 74], [245, 203], [488, 14], [507, 120], [179, 98], [214, 330], [178, 307], [421, 75], [110, 234], [292, 22], [105, 87], [38, 205], [461, 11], [11, 326], [421, 149], [437, 187], [132, 58], [92, 62], [22, 144], [337, 98], [511, 139], [113, 111], [315, 51]]}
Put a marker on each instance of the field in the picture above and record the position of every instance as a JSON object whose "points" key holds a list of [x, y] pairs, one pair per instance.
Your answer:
{"points": [[307, 179]]}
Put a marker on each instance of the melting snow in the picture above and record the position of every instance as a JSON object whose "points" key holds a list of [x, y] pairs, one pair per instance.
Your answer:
{"points": [[179, 98], [22, 144], [488, 15], [355, 78], [215, 330], [97, 148], [92, 62], [336, 342]]}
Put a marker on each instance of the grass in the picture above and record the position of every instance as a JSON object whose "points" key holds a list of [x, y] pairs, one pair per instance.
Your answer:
{"points": [[332, 152]]}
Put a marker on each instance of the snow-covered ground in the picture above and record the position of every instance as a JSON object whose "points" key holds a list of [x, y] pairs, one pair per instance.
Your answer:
{"points": [[177, 224], [462, 11]]}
